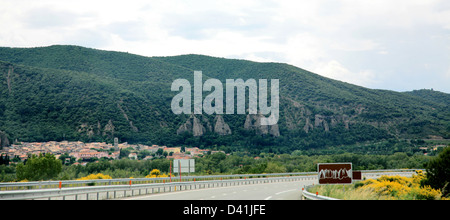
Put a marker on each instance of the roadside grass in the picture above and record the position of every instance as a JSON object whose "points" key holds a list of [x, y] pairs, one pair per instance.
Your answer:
{"points": [[347, 192]]}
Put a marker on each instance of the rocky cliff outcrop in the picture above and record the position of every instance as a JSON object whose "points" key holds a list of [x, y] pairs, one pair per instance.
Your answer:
{"points": [[8, 78], [91, 130], [321, 121], [300, 116], [274, 130], [193, 125], [198, 125], [253, 123], [109, 129], [4, 142], [221, 127], [308, 126], [134, 128]]}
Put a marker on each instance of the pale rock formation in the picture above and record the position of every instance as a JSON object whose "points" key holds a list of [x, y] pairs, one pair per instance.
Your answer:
{"points": [[221, 127]]}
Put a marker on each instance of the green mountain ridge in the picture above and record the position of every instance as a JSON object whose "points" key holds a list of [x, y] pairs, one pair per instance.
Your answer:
{"points": [[75, 93]]}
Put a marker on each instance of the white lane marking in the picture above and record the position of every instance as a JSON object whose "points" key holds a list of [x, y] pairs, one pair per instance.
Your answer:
{"points": [[278, 193], [268, 198]]}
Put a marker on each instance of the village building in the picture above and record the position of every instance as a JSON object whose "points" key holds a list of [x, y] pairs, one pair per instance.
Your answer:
{"points": [[86, 154]]}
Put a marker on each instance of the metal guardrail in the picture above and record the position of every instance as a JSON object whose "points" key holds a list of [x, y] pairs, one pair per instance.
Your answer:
{"points": [[55, 184], [312, 196], [120, 191]]}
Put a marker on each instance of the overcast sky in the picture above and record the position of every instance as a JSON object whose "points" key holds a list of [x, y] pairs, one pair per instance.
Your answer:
{"points": [[398, 45]]}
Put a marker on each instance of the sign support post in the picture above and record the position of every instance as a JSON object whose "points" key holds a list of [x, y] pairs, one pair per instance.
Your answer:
{"points": [[179, 168], [170, 170]]}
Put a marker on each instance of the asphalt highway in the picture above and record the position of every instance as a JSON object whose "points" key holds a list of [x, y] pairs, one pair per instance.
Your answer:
{"points": [[262, 191]]}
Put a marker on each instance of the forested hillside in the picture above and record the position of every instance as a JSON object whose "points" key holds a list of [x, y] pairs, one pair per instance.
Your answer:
{"points": [[75, 93]]}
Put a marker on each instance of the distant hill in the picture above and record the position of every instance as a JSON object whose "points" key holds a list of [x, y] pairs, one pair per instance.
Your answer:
{"points": [[76, 93], [431, 95]]}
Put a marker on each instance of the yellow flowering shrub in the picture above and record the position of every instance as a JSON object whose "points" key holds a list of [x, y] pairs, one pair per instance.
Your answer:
{"points": [[95, 177], [396, 179], [418, 177], [399, 187], [426, 193], [387, 188], [155, 173]]}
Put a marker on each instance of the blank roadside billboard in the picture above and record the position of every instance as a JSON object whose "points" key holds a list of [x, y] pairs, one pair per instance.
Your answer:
{"points": [[184, 165]]}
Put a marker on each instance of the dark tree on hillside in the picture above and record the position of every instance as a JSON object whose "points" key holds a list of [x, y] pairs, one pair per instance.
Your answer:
{"points": [[438, 172], [4, 159]]}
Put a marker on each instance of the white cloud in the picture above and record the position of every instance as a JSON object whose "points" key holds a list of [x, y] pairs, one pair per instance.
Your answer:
{"points": [[447, 75], [336, 70], [355, 45], [356, 41]]}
